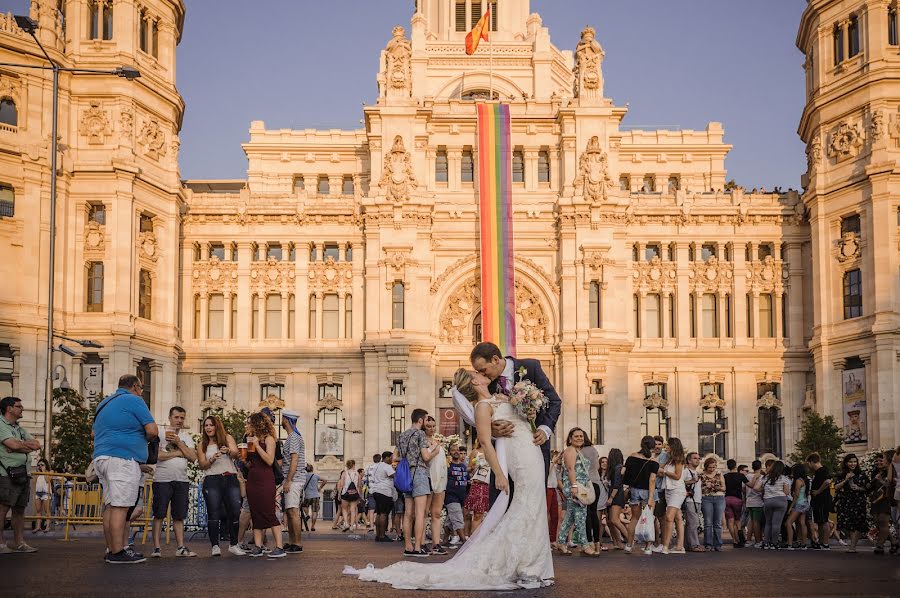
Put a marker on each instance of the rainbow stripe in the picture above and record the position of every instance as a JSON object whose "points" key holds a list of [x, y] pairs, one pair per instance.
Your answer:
{"points": [[498, 290]]}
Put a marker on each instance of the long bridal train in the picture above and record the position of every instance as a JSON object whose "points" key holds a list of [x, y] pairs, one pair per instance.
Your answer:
{"points": [[511, 548]]}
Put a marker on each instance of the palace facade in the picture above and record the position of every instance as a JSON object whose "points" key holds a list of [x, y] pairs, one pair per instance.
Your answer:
{"points": [[341, 277]]}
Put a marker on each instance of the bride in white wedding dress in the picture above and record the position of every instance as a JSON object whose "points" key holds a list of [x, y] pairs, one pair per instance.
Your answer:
{"points": [[511, 548]]}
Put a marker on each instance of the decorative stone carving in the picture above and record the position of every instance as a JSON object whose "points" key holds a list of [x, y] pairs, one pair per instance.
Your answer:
{"points": [[148, 246], [848, 247], [593, 180], [813, 155], [213, 402], [711, 276], [273, 402], [767, 276], [454, 322], [588, 62], [94, 237], [215, 276], [876, 126], [768, 401], [655, 401], [711, 400], [330, 402], [272, 276], [330, 276], [398, 179], [152, 139], [455, 266], [396, 259], [241, 216], [126, 126], [655, 276], [398, 65], [809, 398], [846, 139], [95, 124], [176, 145], [11, 87]]}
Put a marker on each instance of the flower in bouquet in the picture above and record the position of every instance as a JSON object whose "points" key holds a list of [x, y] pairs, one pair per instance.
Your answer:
{"points": [[447, 441], [528, 400]]}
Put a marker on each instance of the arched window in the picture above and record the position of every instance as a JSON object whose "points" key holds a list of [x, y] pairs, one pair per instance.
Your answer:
{"points": [[480, 94], [476, 328], [768, 418], [9, 115]]}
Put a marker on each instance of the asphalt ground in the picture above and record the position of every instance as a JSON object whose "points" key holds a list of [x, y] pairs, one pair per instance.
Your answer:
{"points": [[76, 568]]}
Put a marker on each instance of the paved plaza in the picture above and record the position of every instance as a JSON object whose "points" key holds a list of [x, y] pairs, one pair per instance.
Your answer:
{"points": [[76, 568]]}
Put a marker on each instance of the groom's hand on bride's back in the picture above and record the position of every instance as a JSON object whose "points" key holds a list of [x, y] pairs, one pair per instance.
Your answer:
{"points": [[501, 428]]}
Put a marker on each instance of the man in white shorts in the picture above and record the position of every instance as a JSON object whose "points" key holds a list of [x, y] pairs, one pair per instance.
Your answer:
{"points": [[294, 468], [122, 426]]}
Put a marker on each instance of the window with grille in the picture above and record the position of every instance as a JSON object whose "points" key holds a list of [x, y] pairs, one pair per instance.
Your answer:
{"points": [[768, 431], [712, 431], [476, 12], [852, 294], [460, 14], [597, 424], [95, 287], [398, 421]]}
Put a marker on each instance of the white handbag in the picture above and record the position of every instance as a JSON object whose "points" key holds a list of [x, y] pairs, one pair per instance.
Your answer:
{"points": [[585, 494]]}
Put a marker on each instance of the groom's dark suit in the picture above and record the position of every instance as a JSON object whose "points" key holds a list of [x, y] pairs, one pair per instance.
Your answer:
{"points": [[545, 417]]}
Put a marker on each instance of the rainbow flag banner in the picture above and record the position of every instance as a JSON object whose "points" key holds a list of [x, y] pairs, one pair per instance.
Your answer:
{"points": [[498, 290]]}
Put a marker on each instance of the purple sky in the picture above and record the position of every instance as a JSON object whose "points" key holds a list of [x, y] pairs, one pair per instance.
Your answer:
{"points": [[305, 64]]}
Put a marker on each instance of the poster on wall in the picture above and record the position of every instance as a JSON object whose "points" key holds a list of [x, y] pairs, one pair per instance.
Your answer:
{"points": [[92, 384], [853, 390], [449, 424], [329, 440]]}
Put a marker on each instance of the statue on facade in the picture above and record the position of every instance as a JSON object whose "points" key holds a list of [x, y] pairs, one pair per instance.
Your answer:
{"points": [[593, 180], [588, 62], [398, 65], [398, 179]]}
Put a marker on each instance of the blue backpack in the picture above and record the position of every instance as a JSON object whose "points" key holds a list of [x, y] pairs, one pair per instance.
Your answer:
{"points": [[403, 477]]}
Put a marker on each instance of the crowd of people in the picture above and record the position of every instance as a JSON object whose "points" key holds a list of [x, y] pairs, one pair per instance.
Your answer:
{"points": [[686, 501], [767, 505]]}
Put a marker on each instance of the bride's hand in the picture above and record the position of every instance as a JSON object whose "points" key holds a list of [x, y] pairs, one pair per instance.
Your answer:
{"points": [[502, 484]]}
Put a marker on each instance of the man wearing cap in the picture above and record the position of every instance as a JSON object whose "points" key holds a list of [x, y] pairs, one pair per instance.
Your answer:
{"points": [[294, 468]]}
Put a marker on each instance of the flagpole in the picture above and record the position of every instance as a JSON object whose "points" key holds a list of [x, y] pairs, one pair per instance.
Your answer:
{"points": [[491, 52]]}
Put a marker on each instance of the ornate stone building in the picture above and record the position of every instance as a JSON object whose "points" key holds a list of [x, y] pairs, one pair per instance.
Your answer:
{"points": [[341, 277]]}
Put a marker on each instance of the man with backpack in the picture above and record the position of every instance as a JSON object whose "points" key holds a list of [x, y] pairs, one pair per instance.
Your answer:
{"points": [[413, 481]]}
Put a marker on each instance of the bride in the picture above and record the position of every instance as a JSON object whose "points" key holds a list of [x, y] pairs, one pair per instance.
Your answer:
{"points": [[510, 550]]}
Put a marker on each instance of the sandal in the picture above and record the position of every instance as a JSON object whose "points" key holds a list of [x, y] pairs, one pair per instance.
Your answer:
{"points": [[565, 552], [589, 552], [604, 548]]}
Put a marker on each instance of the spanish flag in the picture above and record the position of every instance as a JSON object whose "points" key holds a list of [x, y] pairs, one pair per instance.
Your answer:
{"points": [[479, 32]]}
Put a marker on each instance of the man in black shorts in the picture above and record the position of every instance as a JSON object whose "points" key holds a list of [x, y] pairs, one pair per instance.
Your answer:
{"points": [[381, 483], [820, 500]]}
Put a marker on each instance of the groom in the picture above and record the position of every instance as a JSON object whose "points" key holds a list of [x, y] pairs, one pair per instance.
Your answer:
{"points": [[504, 372]]}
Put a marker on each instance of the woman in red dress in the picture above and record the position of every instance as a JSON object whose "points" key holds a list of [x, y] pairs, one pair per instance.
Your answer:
{"points": [[261, 484]]}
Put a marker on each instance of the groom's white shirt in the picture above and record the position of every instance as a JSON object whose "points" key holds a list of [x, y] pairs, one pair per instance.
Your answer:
{"points": [[464, 408]]}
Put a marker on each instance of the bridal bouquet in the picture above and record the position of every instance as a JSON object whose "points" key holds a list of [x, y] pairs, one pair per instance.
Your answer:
{"points": [[447, 441], [528, 399]]}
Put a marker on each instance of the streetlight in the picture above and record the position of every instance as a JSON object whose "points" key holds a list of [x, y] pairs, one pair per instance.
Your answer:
{"points": [[30, 26]]}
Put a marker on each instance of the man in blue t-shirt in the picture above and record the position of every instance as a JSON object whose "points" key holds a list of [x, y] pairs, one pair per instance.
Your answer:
{"points": [[122, 426], [457, 488]]}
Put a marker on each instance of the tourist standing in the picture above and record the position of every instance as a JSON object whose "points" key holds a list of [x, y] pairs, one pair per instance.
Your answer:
{"points": [[457, 488], [170, 482], [418, 451], [261, 484], [640, 477], [552, 497], [437, 473], [776, 488], [754, 504], [15, 491], [348, 490], [734, 501], [574, 472], [294, 469], [820, 499], [381, 483], [41, 498], [122, 426], [312, 495], [712, 485], [676, 492], [850, 500], [367, 486], [616, 502], [799, 507], [478, 501], [692, 502], [880, 497], [589, 451], [221, 489]]}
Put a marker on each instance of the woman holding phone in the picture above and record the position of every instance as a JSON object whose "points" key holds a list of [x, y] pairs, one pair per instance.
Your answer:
{"points": [[261, 484], [221, 488]]}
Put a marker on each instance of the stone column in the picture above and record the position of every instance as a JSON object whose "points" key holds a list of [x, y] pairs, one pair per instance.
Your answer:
{"points": [[204, 316], [454, 160], [285, 314], [320, 301], [261, 317], [721, 297], [531, 160], [664, 306], [554, 169], [228, 300], [779, 333]]}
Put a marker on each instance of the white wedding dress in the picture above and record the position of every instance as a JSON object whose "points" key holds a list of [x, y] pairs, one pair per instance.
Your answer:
{"points": [[511, 549]]}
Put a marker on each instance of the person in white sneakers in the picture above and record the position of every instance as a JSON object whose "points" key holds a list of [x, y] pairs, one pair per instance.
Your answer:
{"points": [[170, 481], [221, 488]]}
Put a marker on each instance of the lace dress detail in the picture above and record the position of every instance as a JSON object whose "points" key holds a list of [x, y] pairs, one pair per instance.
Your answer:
{"points": [[514, 554]]}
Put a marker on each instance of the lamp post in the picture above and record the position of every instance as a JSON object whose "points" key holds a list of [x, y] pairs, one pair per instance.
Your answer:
{"points": [[29, 26]]}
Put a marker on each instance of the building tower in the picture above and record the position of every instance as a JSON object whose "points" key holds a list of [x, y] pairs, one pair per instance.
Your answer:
{"points": [[118, 198], [850, 125]]}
